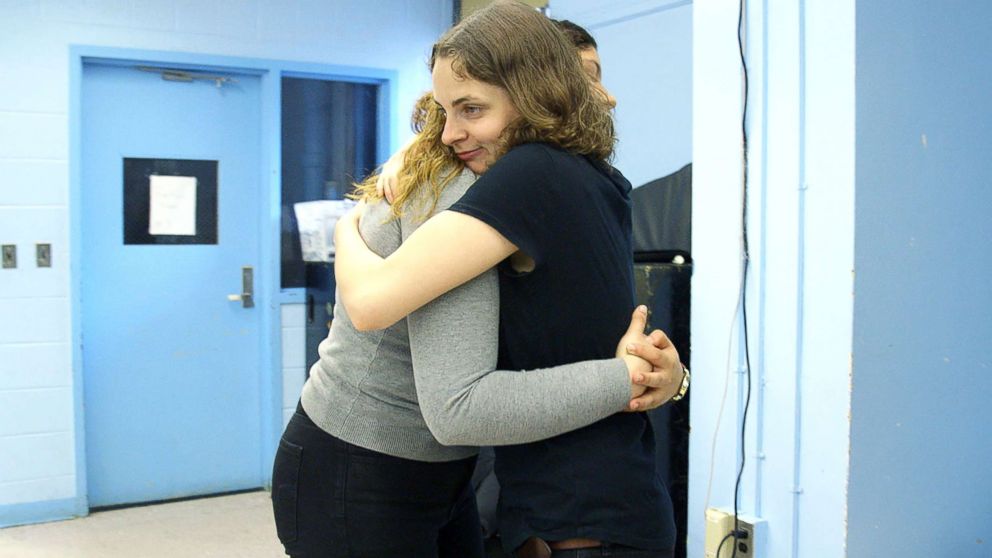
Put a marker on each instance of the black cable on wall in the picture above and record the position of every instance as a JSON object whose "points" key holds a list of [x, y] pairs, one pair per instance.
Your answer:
{"points": [[746, 255]]}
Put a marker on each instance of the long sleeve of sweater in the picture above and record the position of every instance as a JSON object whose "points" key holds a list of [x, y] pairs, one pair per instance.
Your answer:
{"points": [[465, 401]]}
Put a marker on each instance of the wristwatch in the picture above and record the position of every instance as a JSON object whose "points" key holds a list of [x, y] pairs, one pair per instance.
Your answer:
{"points": [[685, 384]]}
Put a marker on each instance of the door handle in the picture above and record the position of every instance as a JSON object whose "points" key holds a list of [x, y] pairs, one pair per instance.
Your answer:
{"points": [[247, 296]]}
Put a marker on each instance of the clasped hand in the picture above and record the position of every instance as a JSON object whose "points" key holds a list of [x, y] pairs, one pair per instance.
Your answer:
{"points": [[652, 362]]}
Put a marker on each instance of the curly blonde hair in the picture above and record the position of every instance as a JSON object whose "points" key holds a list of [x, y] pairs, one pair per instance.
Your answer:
{"points": [[427, 163]]}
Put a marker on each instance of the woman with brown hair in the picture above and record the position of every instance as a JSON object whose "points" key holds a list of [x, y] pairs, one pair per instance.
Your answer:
{"points": [[555, 217]]}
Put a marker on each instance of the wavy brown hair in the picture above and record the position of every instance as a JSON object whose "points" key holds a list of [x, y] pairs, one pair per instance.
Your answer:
{"points": [[512, 46], [544, 79]]}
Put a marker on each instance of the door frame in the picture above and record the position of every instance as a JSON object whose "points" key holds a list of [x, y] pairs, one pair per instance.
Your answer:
{"points": [[269, 295]]}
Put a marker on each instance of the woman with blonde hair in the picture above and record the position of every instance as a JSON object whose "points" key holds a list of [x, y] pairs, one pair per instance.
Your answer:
{"points": [[551, 212]]}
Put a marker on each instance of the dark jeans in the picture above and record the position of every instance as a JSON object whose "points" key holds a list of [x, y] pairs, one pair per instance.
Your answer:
{"points": [[613, 550], [537, 548], [334, 499], [616, 551]]}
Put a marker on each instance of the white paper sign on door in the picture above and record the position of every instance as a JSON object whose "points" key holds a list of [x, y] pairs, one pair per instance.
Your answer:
{"points": [[172, 205]]}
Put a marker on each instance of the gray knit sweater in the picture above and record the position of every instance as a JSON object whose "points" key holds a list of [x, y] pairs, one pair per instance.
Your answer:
{"points": [[426, 389]]}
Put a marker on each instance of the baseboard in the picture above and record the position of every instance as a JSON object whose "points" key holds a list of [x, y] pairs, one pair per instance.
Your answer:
{"points": [[41, 512]]}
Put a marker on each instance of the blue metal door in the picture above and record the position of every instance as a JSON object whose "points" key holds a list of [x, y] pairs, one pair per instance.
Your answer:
{"points": [[171, 366]]}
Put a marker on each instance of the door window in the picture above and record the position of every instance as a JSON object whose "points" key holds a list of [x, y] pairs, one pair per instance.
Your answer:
{"points": [[328, 143]]}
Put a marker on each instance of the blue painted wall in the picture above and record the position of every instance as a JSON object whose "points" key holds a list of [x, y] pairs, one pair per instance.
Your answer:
{"points": [[38, 465], [920, 451]]}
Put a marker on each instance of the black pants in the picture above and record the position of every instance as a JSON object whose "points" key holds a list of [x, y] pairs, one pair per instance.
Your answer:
{"points": [[335, 499]]}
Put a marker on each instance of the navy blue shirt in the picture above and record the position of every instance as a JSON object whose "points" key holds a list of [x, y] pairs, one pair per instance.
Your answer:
{"points": [[572, 216]]}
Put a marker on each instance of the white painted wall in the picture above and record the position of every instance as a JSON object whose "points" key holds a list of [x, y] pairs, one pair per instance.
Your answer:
{"points": [[37, 420], [800, 284], [646, 50]]}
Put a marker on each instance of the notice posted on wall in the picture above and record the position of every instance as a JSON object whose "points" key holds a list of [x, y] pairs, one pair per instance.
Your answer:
{"points": [[316, 221], [172, 205]]}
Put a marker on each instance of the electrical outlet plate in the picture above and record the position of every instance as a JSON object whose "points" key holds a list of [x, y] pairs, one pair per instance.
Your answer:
{"points": [[9, 256], [755, 545], [43, 255], [745, 545], [720, 522]]}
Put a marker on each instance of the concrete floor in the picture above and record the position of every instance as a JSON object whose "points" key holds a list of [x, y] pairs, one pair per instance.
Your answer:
{"points": [[238, 525]]}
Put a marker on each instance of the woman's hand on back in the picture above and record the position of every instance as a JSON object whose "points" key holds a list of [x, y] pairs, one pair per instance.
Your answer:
{"points": [[388, 182]]}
